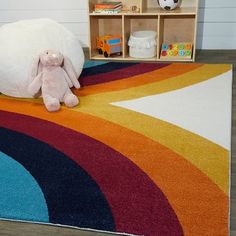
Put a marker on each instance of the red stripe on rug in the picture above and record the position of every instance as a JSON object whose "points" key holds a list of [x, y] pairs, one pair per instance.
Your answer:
{"points": [[138, 205]]}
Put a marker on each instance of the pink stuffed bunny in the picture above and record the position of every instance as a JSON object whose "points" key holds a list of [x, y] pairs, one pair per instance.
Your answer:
{"points": [[54, 75]]}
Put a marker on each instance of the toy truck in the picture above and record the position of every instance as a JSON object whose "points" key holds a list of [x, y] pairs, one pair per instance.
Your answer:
{"points": [[108, 45]]}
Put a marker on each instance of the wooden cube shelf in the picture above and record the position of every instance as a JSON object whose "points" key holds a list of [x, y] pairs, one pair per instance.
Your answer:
{"points": [[176, 26]]}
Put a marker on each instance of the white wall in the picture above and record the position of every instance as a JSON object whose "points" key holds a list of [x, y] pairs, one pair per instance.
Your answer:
{"points": [[217, 24], [216, 27], [71, 13]]}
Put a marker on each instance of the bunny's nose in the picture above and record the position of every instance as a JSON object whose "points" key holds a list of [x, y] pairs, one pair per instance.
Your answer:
{"points": [[54, 55]]}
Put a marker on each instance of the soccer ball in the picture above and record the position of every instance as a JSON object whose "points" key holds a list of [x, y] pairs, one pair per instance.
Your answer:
{"points": [[169, 4]]}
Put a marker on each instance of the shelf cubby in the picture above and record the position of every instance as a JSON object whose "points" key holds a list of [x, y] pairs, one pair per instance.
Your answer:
{"points": [[101, 25], [176, 29], [134, 23]]}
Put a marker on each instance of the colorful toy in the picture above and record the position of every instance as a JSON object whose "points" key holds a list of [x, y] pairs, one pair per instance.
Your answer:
{"points": [[169, 4], [176, 51], [109, 45]]}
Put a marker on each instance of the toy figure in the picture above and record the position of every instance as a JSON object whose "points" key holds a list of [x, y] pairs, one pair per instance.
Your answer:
{"points": [[54, 75]]}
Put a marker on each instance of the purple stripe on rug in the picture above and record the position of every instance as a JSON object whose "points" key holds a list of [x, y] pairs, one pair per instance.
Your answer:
{"points": [[137, 204], [123, 73]]}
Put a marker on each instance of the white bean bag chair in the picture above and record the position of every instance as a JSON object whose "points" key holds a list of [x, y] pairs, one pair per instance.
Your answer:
{"points": [[22, 41]]}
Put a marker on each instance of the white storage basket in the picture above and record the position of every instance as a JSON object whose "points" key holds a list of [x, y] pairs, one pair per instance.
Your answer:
{"points": [[142, 44]]}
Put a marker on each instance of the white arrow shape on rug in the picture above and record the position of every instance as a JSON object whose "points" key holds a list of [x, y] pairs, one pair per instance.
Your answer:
{"points": [[203, 108]]}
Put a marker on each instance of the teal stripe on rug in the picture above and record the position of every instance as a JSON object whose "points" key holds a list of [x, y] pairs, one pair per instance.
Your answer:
{"points": [[89, 64], [20, 195]]}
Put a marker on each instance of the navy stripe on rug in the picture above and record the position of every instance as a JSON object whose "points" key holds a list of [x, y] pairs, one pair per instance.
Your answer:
{"points": [[108, 67]]}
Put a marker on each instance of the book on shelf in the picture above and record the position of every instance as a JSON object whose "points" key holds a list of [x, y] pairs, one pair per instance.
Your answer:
{"points": [[108, 10], [108, 4]]}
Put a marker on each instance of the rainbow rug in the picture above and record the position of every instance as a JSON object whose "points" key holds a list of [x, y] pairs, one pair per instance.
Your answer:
{"points": [[147, 152]]}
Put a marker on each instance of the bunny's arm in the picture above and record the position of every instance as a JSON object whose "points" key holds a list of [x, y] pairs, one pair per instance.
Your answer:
{"points": [[36, 84], [67, 79], [68, 67]]}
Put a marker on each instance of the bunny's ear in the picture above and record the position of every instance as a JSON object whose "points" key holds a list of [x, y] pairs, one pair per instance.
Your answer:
{"points": [[68, 67], [35, 68]]}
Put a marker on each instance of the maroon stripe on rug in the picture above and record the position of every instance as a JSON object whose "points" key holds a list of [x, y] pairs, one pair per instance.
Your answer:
{"points": [[137, 204], [123, 73]]}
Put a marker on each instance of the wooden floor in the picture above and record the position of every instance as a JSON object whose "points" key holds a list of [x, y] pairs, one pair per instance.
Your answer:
{"points": [[25, 229]]}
